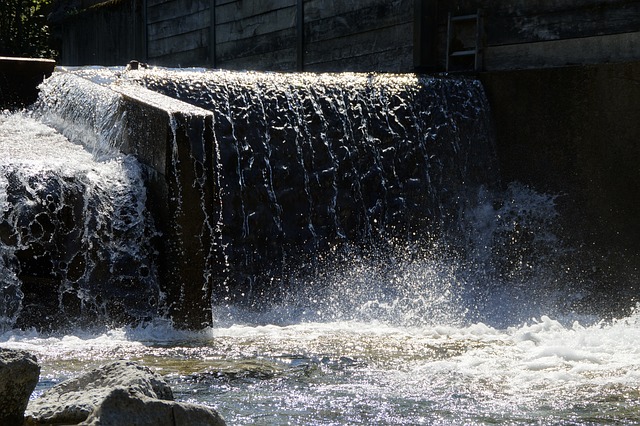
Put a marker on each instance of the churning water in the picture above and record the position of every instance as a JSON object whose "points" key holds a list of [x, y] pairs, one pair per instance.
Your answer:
{"points": [[67, 216], [542, 371], [497, 327]]}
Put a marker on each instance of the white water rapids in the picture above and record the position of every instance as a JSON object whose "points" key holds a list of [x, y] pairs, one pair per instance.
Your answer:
{"points": [[338, 373]]}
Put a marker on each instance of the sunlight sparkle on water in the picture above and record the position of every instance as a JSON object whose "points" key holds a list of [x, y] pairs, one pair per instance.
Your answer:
{"points": [[363, 372]]}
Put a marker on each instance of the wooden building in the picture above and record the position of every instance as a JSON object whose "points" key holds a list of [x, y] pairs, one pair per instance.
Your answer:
{"points": [[354, 35]]}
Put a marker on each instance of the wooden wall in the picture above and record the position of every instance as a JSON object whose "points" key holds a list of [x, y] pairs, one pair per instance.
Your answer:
{"points": [[358, 35], [107, 34], [178, 32], [282, 35], [256, 34], [521, 34], [353, 35]]}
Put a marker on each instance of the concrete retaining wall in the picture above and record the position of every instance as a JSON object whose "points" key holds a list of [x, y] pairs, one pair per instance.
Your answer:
{"points": [[171, 139], [575, 131]]}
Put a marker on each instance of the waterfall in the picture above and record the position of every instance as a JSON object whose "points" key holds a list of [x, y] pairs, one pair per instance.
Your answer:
{"points": [[249, 177], [74, 234], [305, 163]]}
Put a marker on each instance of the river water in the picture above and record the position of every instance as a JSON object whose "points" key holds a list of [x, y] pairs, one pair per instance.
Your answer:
{"points": [[543, 371], [424, 335]]}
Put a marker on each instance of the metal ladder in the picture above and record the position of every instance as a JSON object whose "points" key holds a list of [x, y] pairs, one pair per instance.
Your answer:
{"points": [[458, 51]]}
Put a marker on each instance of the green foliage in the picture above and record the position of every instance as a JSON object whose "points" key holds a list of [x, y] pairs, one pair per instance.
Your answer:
{"points": [[24, 30]]}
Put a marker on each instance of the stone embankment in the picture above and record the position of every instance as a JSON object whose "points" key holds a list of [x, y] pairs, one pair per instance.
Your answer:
{"points": [[122, 392]]}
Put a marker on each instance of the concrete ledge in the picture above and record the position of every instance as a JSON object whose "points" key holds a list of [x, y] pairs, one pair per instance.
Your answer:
{"points": [[19, 80], [171, 138]]}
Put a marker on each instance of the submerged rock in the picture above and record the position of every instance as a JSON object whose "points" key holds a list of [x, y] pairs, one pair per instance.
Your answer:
{"points": [[19, 373], [122, 392]]}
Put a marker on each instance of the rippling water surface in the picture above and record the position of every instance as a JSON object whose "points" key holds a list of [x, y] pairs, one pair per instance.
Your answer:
{"points": [[544, 371]]}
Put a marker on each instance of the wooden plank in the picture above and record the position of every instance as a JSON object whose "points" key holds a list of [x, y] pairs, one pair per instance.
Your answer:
{"points": [[213, 41], [393, 60], [425, 35], [300, 35], [585, 22], [175, 9], [180, 43], [180, 25], [190, 58], [257, 25], [361, 20], [322, 9], [95, 37], [237, 10], [530, 7], [382, 39], [157, 2], [279, 60], [259, 45], [142, 31], [586, 50]]}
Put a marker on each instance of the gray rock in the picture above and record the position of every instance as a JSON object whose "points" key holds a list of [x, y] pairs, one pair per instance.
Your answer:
{"points": [[121, 407], [19, 373], [72, 401]]}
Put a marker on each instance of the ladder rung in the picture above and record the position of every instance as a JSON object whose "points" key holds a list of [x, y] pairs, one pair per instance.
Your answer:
{"points": [[464, 18], [463, 53]]}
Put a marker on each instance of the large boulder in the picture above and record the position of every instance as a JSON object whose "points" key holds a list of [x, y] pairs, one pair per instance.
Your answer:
{"points": [[121, 407], [72, 401], [19, 373]]}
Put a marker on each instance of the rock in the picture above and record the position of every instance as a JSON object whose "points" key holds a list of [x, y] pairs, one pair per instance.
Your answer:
{"points": [[19, 373], [122, 407], [72, 401]]}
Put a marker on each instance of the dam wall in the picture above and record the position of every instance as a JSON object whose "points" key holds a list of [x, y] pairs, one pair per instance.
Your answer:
{"points": [[569, 131], [258, 176], [574, 131], [558, 74]]}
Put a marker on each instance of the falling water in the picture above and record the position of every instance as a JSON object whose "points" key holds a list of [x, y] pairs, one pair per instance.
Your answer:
{"points": [[434, 296], [75, 234], [306, 163]]}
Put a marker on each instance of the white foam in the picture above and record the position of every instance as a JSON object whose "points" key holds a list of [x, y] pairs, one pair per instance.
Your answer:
{"points": [[27, 141], [485, 372]]}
